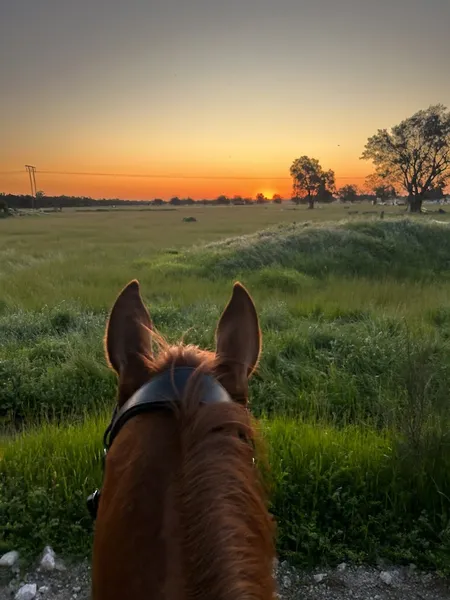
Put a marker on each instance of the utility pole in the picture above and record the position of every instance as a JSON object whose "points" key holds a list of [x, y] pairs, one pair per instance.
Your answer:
{"points": [[32, 173]]}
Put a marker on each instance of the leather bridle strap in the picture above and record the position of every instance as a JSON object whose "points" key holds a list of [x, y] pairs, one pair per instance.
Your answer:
{"points": [[161, 393]]}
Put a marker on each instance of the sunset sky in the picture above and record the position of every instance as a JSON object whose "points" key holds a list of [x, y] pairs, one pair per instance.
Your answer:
{"points": [[208, 89]]}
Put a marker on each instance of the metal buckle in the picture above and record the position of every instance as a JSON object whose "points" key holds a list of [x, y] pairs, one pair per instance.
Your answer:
{"points": [[92, 503]]}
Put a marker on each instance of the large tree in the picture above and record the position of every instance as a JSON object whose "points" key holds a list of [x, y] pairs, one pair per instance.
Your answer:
{"points": [[309, 179], [415, 154]]}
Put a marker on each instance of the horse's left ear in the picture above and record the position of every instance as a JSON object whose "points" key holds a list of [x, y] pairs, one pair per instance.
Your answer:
{"points": [[128, 339], [238, 343]]}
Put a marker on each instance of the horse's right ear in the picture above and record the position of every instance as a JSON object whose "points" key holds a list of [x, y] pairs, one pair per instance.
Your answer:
{"points": [[238, 343], [128, 337]]}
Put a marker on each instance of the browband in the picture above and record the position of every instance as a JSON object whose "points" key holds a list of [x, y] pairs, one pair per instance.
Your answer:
{"points": [[161, 393]]}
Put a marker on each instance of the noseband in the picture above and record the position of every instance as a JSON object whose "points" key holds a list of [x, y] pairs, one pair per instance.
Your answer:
{"points": [[161, 393]]}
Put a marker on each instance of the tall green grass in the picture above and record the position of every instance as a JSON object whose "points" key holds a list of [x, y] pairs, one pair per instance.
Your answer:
{"points": [[337, 493], [338, 366]]}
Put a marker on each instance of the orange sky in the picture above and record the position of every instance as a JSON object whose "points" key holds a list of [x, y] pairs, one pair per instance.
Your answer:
{"points": [[152, 187], [204, 88]]}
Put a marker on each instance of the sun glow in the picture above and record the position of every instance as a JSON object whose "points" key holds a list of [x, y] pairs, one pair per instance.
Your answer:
{"points": [[268, 194]]}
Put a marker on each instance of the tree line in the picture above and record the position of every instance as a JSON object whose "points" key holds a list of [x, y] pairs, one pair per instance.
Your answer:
{"points": [[42, 201], [58, 203]]}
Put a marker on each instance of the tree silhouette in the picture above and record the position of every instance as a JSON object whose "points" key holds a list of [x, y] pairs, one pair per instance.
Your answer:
{"points": [[348, 193], [309, 179], [415, 154]]}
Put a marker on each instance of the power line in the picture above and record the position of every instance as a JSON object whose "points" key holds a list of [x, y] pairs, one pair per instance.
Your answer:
{"points": [[158, 176]]}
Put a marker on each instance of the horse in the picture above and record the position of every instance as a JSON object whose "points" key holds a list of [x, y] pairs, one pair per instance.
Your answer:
{"points": [[183, 510]]}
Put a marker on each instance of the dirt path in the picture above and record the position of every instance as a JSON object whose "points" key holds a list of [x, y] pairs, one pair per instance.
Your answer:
{"points": [[343, 583]]}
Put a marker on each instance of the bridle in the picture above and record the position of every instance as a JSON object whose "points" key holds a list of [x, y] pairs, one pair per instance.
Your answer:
{"points": [[160, 393]]}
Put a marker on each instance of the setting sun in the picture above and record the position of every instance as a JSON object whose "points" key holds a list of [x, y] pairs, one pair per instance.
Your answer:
{"points": [[268, 194]]}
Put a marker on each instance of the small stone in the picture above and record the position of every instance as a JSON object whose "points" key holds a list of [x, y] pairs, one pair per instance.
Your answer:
{"points": [[48, 561], [43, 589], [27, 592], [76, 589], [9, 559], [386, 577], [342, 567], [319, 577], [75, 596], [286, 582]]}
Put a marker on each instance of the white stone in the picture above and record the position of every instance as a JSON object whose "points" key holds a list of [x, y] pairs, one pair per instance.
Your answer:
{"points": [[286, 582], [386, 577], [43, 589], [342, 567], [76, 589], [9, 559], [27, 592], [48, 560], [319, 577]]}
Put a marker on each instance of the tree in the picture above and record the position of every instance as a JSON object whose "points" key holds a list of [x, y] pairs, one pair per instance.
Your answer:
{"points": [[324, 194], [4, 210], [40, 195], [435, 193], [277, 199], [415, 154], [260, 199], [175, 201], [348, 193], [310, 180], [223, 200], [382, 188]]}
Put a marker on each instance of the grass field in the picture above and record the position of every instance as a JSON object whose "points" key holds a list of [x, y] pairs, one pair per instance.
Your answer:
{"points": [[352, 389]]}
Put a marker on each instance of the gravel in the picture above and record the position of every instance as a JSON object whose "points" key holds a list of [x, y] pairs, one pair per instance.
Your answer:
{"points": [[346, 582]]}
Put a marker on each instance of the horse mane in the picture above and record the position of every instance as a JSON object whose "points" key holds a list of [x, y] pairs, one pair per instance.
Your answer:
{"points": [[226, 532]]}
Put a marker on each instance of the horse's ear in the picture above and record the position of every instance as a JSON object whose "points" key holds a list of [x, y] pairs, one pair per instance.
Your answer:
{"points": [[238, 343], [128, 337]]}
